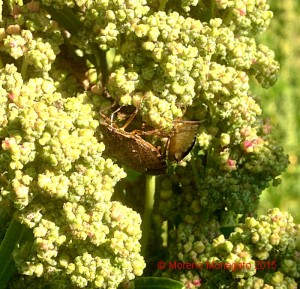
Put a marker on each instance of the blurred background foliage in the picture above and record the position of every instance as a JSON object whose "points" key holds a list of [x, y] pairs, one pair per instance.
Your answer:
{"points": [[281, 103]]}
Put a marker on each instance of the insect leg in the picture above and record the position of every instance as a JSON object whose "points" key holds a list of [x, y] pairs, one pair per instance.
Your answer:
{"points": [[133, 115], [130, 119], [112, 115]]}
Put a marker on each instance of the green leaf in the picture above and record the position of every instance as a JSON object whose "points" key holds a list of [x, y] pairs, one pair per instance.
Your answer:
{"points": [[65, 17], [15, 234], [156, 283]]}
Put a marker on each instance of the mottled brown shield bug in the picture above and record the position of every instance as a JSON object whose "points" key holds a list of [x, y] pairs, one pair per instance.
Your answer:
{"points": [[131, 150], [182, 140]]}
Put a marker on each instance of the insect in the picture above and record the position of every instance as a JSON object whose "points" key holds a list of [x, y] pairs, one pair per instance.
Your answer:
{"points": [[182, 140], [132, 150], [135, 152]]}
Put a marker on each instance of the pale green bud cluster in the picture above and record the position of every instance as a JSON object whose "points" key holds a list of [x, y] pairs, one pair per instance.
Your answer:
{"points": [[267, 246], [190, 242], [229, 168], [53, 172], [102, 22], [270, 243], [178, 62], [246, 17], [20, 38], [84, 246], [242, 16]]}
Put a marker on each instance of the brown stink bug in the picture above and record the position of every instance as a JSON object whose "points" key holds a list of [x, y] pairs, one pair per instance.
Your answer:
{"points": [[131, 150], [182, 140]]}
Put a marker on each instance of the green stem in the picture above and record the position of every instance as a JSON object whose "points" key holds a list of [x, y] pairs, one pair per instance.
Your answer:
{"points": [[162, 5], [24, 68], [102, 64], [148, 209], [15, 234], [212, 9]]}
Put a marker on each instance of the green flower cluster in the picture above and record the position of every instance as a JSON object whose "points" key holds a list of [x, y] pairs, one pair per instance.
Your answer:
{"points": [[260, 253], [100, 22], [172, 63], [166, 62], [270, 244], [188, 242], [244, 17], [226, 172], [37, 52], [54, 174], [21, 39]]}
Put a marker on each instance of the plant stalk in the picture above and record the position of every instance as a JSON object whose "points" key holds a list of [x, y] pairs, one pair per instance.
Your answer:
{"points": [[148, 209]]}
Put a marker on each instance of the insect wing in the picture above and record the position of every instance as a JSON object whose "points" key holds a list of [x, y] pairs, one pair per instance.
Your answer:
{"points": [[183, 140]]}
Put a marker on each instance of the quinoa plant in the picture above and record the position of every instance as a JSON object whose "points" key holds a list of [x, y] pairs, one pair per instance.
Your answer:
{"points": [[72, 181]]}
